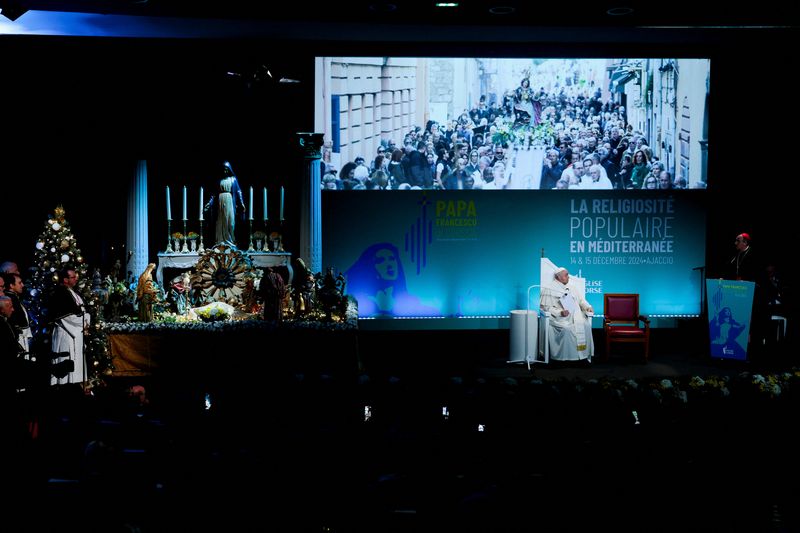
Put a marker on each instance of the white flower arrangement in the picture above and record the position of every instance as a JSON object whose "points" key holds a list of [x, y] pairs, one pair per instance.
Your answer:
{"points": [[696, 382], [542, 134], [169, 317], [191, 322], [214, 311], [768, 385]]}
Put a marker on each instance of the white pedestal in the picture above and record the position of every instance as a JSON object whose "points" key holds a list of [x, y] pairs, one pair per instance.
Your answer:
{"points": [[188, 260], [517, 331]]}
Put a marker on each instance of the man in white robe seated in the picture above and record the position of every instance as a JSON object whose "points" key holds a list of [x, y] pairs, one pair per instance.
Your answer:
{"points": [[570, 335], [70, 320]]}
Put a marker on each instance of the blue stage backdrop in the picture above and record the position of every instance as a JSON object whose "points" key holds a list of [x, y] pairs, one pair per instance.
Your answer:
{"points": [[474, 253]]}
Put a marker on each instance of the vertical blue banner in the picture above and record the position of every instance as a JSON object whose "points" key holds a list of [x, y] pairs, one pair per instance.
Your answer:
{"points": [[730, 305]]}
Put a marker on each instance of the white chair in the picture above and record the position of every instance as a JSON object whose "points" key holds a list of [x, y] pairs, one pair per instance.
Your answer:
{"points": [[779, 318]]}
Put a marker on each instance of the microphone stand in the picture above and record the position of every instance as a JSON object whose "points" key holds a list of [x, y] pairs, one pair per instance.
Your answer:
{"points": [[528, 357], [703, 316], [703, 311]]}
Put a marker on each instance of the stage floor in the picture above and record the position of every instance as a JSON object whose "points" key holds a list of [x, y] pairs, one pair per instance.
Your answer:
{"points": [[484, 353]]}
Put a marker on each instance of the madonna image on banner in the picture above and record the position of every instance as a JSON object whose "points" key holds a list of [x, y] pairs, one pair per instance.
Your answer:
{"points": [[378, 281], [729, 308], [726, 333]]}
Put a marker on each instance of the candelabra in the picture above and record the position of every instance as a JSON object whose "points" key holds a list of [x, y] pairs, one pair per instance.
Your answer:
{"points": [[250, 248], [185, 247], [169, 249], [200, 248]]}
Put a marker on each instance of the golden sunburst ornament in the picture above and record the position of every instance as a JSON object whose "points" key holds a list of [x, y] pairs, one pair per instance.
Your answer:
{"points": [[222, 274]]}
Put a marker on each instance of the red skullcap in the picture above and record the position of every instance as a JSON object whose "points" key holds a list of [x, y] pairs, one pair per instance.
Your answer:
{"points": [[745, 236]]}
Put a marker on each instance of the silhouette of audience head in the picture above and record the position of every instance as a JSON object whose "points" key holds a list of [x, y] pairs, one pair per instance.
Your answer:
{"points": [[9, 267], [6, 306]]}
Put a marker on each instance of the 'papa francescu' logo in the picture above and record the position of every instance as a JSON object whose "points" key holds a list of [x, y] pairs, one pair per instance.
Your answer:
{"points": [[456, 220]]}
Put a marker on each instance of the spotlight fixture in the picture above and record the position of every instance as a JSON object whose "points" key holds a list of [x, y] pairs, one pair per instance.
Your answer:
{"points": [[383, 7], [260, 76], [620, 11], [502, 10], [262, 73]]}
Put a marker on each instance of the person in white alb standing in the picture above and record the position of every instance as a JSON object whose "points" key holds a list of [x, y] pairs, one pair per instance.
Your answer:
{"points": [[70, 321]]}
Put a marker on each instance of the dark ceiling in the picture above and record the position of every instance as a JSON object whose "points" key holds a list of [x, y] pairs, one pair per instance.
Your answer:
{"points": [[471, 12]]}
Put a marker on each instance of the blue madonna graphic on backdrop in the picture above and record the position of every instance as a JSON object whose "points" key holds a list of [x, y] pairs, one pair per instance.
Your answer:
{"points": [[378, 281]]}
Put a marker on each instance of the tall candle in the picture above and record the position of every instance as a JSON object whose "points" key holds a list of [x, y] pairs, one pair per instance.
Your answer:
{"points": [[201, 204], [184, 202], [281, 203], [266, 215], [169, 209], [251, 202]]}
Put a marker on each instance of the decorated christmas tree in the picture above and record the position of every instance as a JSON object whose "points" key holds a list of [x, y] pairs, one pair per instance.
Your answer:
{"points": [[57, 248]]}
